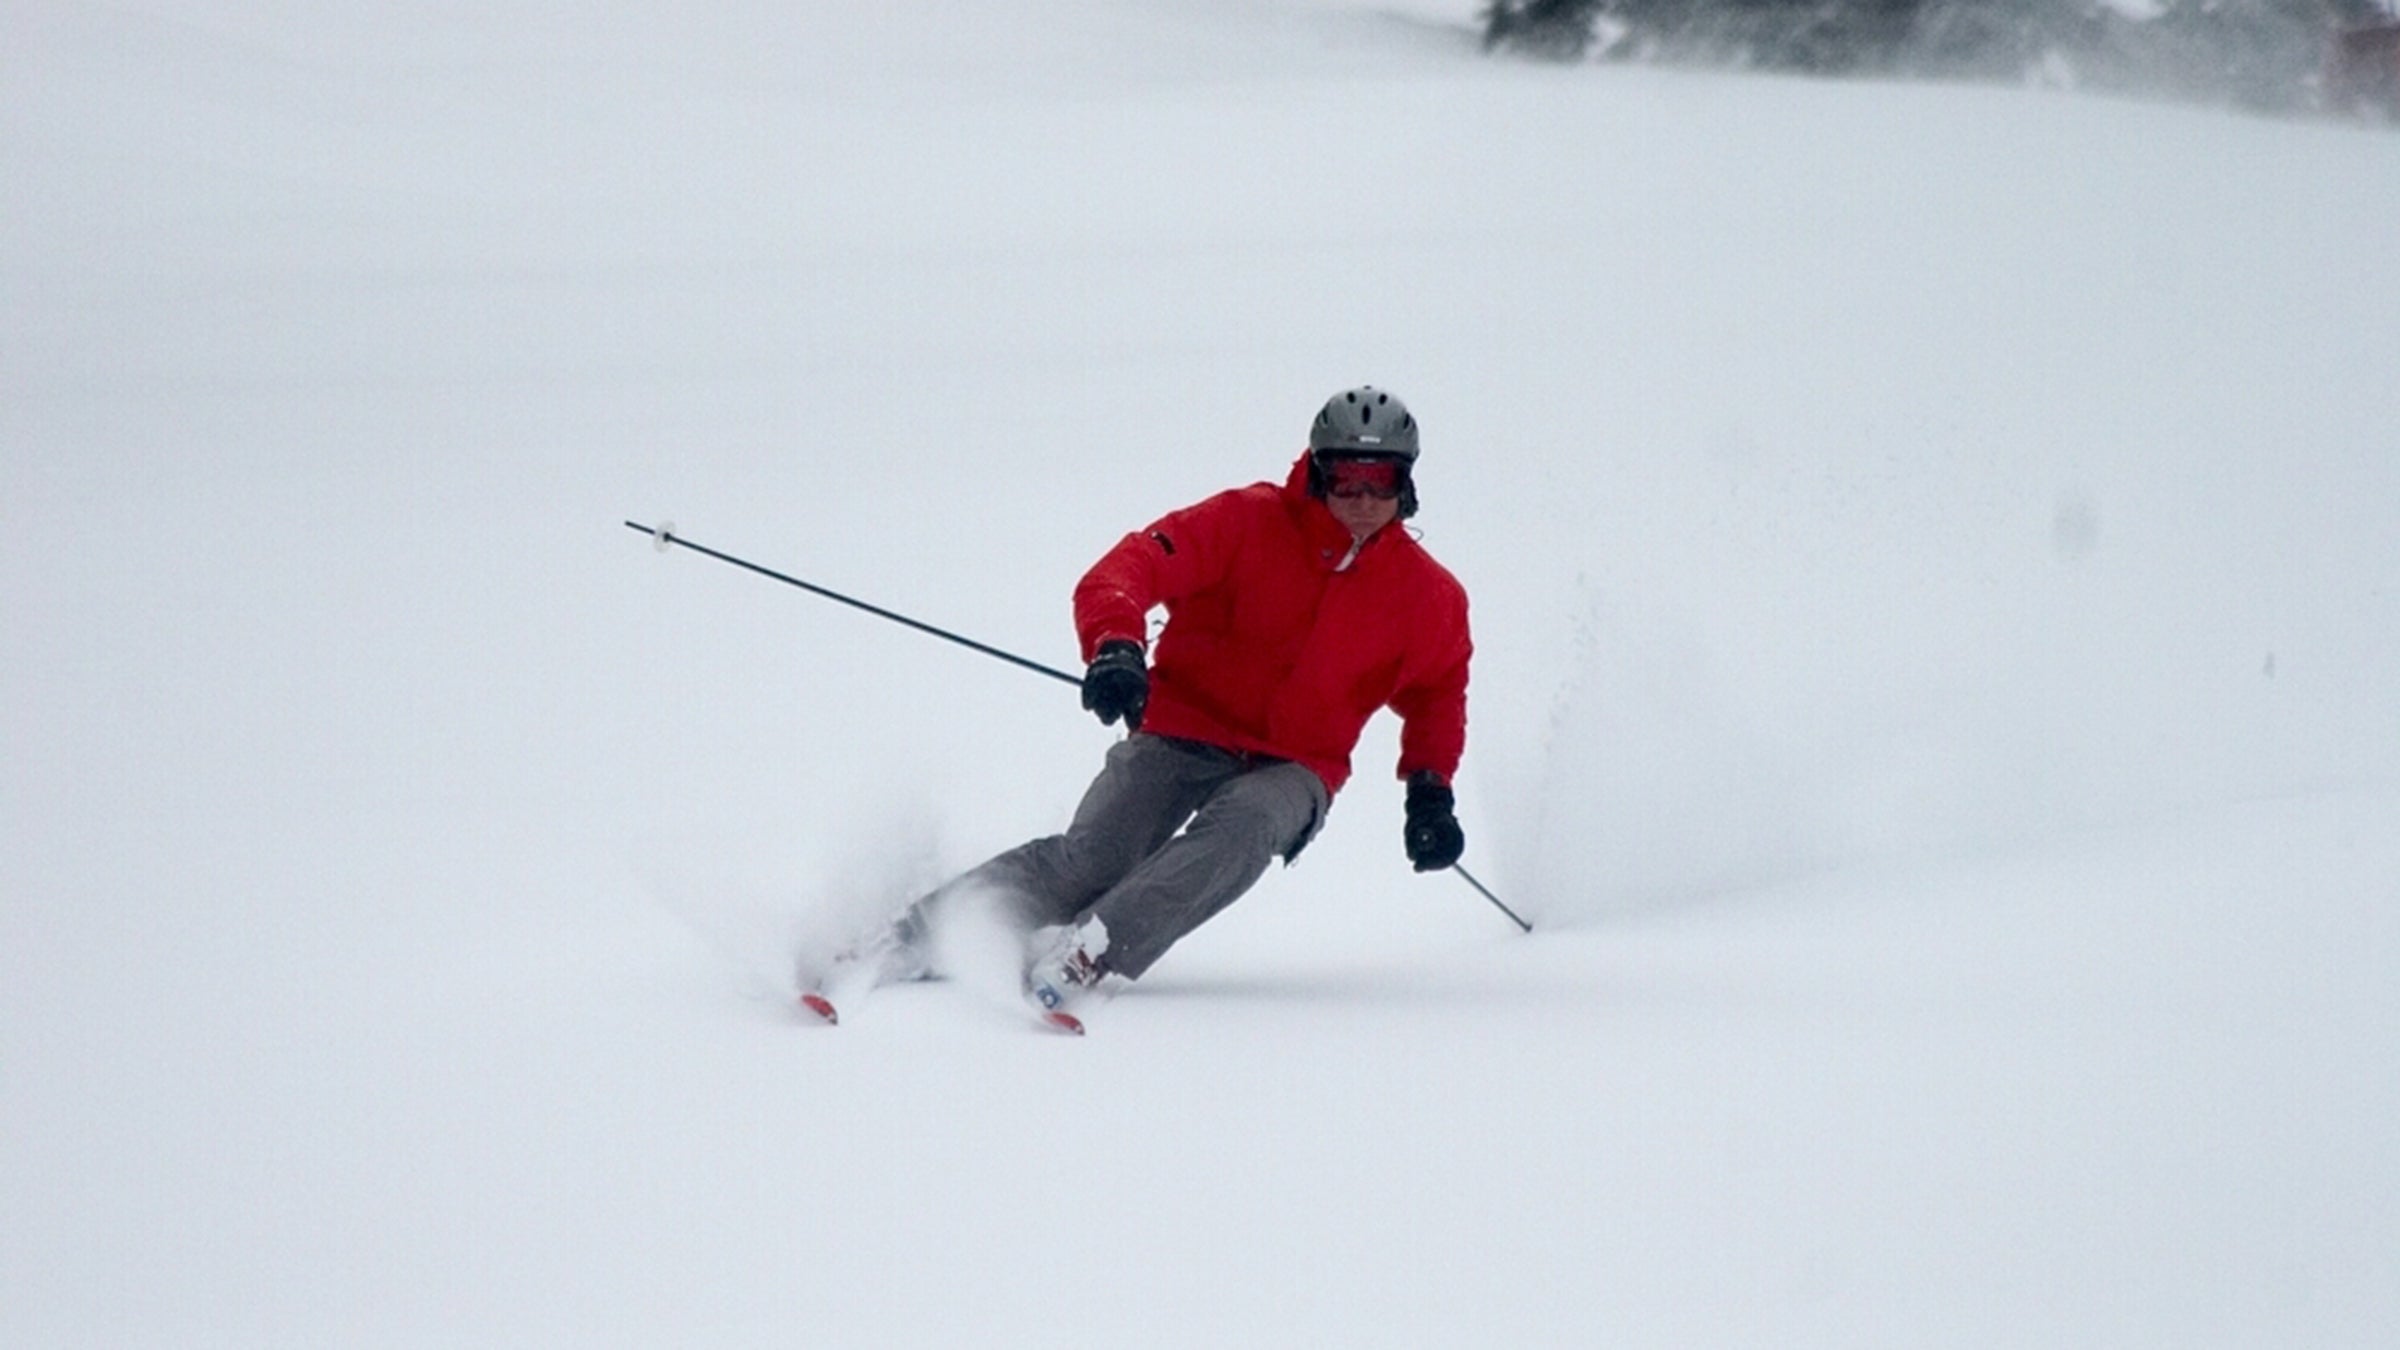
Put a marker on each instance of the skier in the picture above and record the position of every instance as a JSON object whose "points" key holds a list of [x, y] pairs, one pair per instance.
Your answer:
{"points": [[1293, 614]]}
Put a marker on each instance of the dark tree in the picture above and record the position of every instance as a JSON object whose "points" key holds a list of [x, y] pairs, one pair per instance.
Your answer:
{"points": [[2266, 54], [1558, 30]]}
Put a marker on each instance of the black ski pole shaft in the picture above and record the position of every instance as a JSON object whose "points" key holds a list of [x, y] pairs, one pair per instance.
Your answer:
{"points": [[665, 535], [1486, 892]]}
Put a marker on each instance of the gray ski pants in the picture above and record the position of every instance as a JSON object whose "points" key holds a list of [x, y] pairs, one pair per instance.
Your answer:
{"points": [[1170, 833]]}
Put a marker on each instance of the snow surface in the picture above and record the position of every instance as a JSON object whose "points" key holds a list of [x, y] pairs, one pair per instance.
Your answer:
{"points": [[1939, 615]]}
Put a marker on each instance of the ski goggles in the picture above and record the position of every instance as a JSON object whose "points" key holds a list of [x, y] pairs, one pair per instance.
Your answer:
{"points": [[1350, 477]]}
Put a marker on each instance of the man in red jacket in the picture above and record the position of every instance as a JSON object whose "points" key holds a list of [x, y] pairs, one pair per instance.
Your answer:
{"points": [[1294, 612]]}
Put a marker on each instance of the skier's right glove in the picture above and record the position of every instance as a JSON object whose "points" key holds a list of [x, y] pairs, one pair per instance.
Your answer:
{"points": [[1432, 835], [1117, 684]]}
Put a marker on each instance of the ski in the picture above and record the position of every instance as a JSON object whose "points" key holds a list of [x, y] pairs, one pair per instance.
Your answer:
{"points": [[862, 970], [821, 1008], [1052, 1010], [854, 973]]}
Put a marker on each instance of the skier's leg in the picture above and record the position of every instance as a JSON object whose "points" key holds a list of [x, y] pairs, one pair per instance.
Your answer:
{"points": [[1240, 828], [1146, 789]]}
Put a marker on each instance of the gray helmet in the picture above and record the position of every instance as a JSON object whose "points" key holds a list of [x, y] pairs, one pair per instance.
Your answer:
{"points": [[1364, 421]]}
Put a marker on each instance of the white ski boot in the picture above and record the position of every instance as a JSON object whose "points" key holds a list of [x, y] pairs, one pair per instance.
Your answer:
{"points": [[1064, 961]]}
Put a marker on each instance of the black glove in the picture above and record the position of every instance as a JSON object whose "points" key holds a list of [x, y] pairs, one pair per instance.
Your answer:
{"points": [[1118, 684], [1432, 834]]}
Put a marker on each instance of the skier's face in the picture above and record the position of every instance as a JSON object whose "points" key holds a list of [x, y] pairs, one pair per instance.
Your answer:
{"points": [[1363, 494], [1361, 511]]}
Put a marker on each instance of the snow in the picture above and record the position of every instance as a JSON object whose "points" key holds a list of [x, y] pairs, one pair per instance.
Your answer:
{"points": [[1938, 612]]}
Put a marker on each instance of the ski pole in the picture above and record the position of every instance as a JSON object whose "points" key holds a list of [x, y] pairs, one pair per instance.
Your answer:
{"points": [[665, 534], [1486, 892]]}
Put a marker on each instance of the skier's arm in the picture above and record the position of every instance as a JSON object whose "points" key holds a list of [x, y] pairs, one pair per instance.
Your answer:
{"points": [[1433, 702], [1179, 553]]}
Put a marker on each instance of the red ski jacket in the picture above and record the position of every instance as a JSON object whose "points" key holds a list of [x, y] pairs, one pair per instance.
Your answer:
{"points": [[1278, 641]]}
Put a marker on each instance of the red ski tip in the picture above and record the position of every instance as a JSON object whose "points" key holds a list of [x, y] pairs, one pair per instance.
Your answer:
{"points": [[822, 1007], [1064, 1021]]}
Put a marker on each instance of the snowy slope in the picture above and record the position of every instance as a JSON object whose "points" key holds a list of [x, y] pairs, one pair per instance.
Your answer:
{"points": [[1937, 605]]}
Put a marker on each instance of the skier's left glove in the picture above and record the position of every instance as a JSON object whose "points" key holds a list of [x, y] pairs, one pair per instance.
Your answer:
{"points": [[1432, 834]]}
